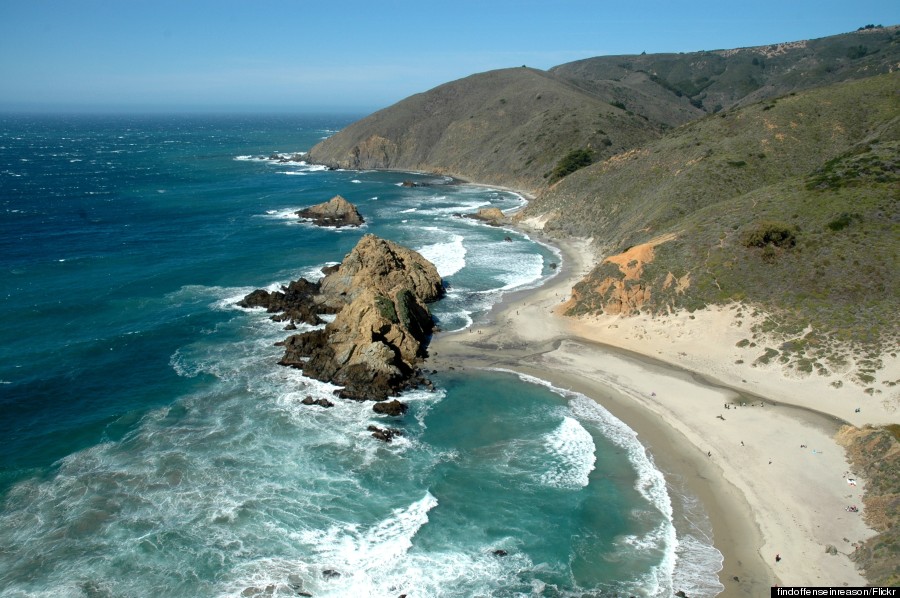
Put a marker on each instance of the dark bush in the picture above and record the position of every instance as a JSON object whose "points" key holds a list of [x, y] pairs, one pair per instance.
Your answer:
{"points": [[571, 162], [771, 233], [843, 221]]}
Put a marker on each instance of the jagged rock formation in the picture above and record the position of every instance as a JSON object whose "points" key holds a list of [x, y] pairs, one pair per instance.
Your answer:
{"points": [[336, 212], [382, 326], [295, 303]]}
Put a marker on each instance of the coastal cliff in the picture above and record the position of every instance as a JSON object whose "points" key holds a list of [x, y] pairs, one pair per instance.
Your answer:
{"points": [[382, 324]]}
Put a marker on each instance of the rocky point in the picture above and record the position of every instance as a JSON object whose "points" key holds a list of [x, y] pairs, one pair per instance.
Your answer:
{"points": [[381, 331]]}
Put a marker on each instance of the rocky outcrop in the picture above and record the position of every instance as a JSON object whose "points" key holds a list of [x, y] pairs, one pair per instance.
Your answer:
{"points": [[295, 303], [384, 434], [382, 327], [393, 408], [336, 212], [492, 216]]}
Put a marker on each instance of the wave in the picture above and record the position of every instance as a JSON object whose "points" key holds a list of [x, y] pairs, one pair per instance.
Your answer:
{"points": [[651, 484], [572, 446], [448, 257]]}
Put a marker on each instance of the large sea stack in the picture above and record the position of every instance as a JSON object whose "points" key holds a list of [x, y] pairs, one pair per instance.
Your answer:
{"points": [[336, 212], [382, 327]]}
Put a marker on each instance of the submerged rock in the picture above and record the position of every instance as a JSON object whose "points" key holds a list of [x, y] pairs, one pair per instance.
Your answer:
{"points": [[337, 212]]}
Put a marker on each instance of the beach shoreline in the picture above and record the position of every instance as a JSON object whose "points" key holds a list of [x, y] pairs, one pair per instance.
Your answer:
{"points": [[771, 477]]}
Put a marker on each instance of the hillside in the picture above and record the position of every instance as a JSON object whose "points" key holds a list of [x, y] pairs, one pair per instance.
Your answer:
{"points": [[788, 204], [676, 88], [508, 127], [765, 175]]}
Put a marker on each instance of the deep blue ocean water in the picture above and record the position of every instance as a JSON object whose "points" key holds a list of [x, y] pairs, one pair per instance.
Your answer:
{"points": [[152, 446]]}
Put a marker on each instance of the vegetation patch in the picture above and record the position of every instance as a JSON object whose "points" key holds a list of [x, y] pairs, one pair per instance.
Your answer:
{"points": [[875, 454], [771, 233], [571, 162], [844, 220], [386, 308], [767, 357]]}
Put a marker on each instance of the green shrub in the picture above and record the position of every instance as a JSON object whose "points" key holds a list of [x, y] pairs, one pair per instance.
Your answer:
{"points": [[386, 308], [771, 233], [855, 52], [571, 162], [843, 221]]}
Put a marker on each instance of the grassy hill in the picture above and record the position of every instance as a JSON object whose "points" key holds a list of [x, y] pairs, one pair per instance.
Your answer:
{"points": [[676, 88], [508, 127], [791, 204], [771, 172]]}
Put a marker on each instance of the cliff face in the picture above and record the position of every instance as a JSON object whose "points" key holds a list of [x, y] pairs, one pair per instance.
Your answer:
{"points": [[382, 327]]}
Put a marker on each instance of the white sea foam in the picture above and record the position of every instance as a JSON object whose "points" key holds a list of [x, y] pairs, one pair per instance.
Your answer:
{"points": [[574, 452], [650, 483], [696, 565], [448, 257], [283, 214]]}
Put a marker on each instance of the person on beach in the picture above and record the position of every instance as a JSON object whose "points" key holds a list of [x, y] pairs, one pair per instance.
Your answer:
{"points": [[777, 558]]}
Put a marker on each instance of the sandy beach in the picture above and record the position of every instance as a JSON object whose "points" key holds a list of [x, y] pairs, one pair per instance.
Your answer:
{"points": [[755, 445]]}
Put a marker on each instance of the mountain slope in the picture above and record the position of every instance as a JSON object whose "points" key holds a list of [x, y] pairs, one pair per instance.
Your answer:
{"points": [[675, 88], [507, 127], [789, 204]]}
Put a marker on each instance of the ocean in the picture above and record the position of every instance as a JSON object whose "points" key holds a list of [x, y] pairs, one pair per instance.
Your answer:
{"points": [[153, 447]]}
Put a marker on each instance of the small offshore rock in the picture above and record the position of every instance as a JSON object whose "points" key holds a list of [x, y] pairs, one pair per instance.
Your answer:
{"points": [[500, 552], [308, 400], [330, 574], [336, 212], [491, 216], [392, 408], [384, 434]]}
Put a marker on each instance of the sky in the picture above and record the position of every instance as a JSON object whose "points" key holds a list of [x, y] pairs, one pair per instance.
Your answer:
{"points": [[347, 56]]}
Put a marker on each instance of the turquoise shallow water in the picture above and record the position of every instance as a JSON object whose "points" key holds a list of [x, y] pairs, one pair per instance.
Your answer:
{"points": [[153, 447]]}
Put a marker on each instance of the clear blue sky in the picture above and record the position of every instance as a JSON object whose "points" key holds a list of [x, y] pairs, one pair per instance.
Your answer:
{"points": [[351, 56]]}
